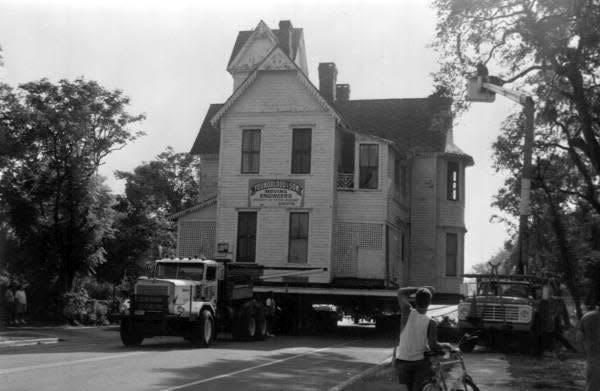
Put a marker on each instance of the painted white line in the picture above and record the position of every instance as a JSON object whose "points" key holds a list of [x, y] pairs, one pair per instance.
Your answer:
{"points": [[257, 366], [63, 363]]}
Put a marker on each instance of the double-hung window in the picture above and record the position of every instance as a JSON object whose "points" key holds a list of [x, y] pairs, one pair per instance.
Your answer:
{"points": [[298, 252], [301, 151], [369, 166], [250, 151], [452, 182], [451, 254]]}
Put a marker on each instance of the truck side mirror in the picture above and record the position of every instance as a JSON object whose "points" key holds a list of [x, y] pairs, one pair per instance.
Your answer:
{"points": [[464, 289]]}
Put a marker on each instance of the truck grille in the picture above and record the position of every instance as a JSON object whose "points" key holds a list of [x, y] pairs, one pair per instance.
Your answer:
{"points": [[500, 313], [152, 290], [151, 303]]}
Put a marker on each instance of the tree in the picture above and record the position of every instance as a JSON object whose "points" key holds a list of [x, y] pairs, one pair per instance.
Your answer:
{"points": [[153, 191], [57, 209], [551, 50]]}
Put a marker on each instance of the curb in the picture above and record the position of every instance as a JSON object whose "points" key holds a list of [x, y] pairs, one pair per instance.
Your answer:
{"points": [[28, 342], [362, 375]]}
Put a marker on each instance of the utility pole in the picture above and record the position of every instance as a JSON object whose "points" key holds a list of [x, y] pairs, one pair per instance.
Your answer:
{"points": [[483, 88]]}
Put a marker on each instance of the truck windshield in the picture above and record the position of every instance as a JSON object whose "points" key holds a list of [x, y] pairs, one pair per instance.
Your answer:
{"points": [[489, 288], [180, 271]]}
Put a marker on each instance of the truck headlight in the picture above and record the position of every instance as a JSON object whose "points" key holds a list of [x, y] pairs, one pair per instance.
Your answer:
{"points": [[463, 310], [525, 314]]}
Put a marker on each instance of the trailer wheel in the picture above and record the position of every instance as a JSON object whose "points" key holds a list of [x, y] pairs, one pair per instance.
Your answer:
{"points": [[129, 335], [244, 324], [261, 323], [203, 330]]}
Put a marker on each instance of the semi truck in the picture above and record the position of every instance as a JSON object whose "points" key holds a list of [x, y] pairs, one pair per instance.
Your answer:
{"points": [[196, 298]]}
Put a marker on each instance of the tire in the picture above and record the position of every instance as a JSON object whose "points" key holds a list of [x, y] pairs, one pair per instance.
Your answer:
{"points": [[203, 330], [431, 387], [261, 324], [244, 324], [469, 385], [129, 335]]}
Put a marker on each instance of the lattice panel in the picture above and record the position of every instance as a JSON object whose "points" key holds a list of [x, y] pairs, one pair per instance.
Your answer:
{"points": [[197, 238], [346, 241], [371, 236]]}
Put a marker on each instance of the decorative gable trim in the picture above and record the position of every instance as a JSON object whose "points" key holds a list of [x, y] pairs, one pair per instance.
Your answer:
{"points": [[261, 31], [210, 201], [277, 60]]}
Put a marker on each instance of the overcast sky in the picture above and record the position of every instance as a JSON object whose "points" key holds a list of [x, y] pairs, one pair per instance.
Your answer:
{"points": [[170, 57]]}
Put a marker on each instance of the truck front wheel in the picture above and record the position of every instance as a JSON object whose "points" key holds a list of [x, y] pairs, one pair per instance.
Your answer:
{"points": [[203, 330], [129, 335]]}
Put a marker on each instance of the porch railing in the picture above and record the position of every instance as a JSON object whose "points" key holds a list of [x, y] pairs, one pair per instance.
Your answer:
{"points": [[345, 182]]}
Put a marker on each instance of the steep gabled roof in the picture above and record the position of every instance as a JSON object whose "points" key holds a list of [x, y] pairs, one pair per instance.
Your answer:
{"points": [[276, 60], [243, 37], [412, 124], [207, 140]]}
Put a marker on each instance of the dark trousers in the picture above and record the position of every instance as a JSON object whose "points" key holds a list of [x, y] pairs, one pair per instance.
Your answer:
{"points": [[413, 373]]}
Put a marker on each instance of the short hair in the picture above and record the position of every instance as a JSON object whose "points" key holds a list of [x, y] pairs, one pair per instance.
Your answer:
{"points": [[423, 298]]}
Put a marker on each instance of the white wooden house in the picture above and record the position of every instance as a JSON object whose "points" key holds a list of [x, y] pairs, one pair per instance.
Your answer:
{"points": [[371, 190]]}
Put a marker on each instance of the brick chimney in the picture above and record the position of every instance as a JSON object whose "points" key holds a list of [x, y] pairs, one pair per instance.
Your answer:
{"points": [[342, 92], [327, 80], [285, 37]]}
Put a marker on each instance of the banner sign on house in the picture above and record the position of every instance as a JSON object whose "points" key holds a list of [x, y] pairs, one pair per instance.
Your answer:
{"points": [[276, 192]]}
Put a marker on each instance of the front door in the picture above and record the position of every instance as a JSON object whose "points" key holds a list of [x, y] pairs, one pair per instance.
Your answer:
{"points": [[246, 237]]}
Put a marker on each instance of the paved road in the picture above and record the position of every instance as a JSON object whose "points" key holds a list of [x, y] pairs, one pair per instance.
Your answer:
{"points": [[94, 359]]}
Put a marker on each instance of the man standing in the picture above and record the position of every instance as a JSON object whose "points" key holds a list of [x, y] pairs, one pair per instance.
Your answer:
{"points": [[418, 334], [20, 305], [9, 302], [588, 338]]}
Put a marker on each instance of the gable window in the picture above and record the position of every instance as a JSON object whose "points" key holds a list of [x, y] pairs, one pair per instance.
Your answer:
{"points": [[451, 254], [301, 151], [452, 182], [246, 237], [298, 252], [369, 166], [250, 151]]}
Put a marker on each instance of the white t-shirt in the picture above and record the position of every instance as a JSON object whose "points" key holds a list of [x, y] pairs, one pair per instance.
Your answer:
{"points": [[413, 338]]}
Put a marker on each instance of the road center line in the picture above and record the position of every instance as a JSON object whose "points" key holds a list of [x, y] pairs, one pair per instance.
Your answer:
{"points": [[61, 364], [257, 366]]}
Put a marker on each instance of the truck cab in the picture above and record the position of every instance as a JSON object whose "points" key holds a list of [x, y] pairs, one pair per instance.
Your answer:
{"points": [[194, 298], [519, 306]]}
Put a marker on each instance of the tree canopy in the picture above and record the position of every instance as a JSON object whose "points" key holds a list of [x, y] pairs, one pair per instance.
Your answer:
{"points": [[53, 138], [551, 50]]}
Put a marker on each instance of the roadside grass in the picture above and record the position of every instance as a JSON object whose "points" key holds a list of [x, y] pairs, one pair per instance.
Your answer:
{"points": [[551, 372]]}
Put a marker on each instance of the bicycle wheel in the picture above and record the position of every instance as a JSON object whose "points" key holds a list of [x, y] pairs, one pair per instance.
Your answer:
{"points": [[432, 387], [469, 385]]}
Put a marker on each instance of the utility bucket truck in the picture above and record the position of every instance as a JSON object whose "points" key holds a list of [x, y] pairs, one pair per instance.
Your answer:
{"points": [[524, 308], [194, 298]]}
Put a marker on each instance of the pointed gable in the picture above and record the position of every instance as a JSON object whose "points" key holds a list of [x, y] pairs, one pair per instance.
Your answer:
{"points": [[277, 60], [256, 47]]}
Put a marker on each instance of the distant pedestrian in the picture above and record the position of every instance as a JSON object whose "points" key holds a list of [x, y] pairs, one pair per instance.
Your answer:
{"points": [[20, 305], [270, 314], [9, 303], [588, 338]]}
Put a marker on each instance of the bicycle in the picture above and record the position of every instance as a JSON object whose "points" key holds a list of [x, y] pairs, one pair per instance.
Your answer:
{"points": [[439, 365]]}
